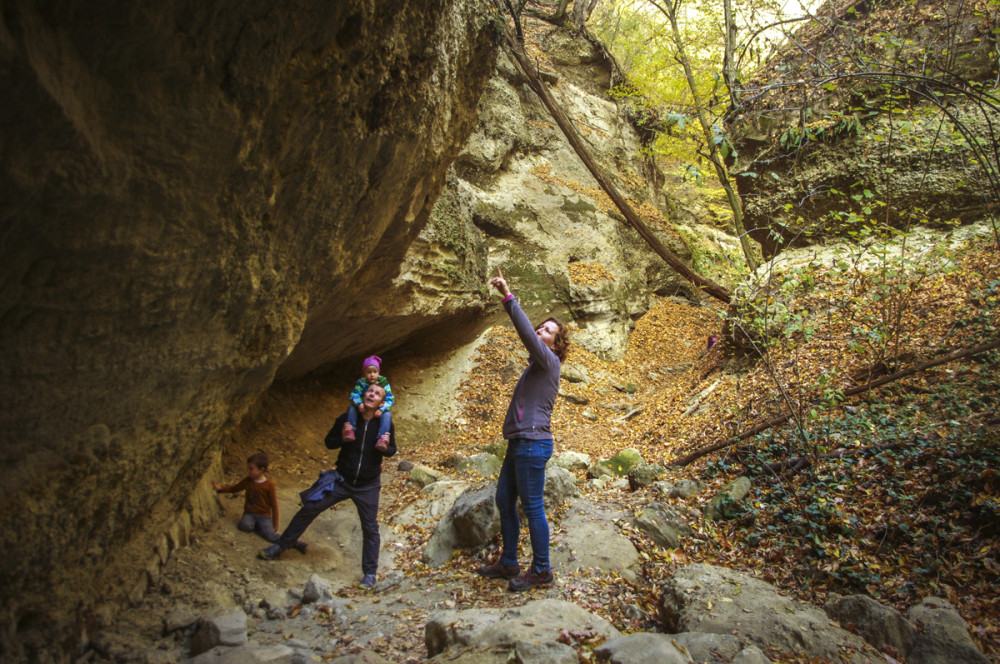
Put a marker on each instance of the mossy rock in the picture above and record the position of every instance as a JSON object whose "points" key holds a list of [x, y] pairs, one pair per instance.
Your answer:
{"points": [[623, 462], [497, 448]]}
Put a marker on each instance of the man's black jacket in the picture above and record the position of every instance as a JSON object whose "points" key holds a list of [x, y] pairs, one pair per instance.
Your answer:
{"points": [[359, 462]]}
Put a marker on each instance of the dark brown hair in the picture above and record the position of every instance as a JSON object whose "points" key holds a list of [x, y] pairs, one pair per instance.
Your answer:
{"points": [[561, 340], [259, 460]]}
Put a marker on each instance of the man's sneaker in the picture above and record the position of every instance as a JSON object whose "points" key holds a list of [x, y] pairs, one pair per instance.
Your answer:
{"points": [[272, 552], [301, 547], [499, 571], [348, 432], [368, 582], [531, 579]]}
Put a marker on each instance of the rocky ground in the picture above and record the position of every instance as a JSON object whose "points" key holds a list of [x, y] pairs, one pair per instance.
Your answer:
{"points": [[663, 399]]}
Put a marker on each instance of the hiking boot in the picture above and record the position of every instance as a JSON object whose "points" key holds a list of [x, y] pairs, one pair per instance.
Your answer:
{"points": [[300, 547], [368, 582], [531, 579], [499, 571], [272, 552], [348, 432]]}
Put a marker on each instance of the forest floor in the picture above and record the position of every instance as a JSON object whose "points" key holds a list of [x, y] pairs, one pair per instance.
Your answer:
{"points": [[896, 492]]}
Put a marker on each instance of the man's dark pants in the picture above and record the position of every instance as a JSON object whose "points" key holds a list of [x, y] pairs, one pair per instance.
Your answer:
{"points": [[365, 499]]}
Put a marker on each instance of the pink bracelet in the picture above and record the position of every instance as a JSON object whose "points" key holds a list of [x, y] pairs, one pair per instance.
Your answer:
{"points": [[509, 296]]}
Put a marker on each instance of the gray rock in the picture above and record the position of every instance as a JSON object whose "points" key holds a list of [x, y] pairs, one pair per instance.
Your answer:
{"points": [[644, 474], [751, 655], [316, 589], [576, 399], [560, 487], [538, 621], [642, 648], [723, 505], [225, 629], [422, 475], [549, 652], [275, 605], [363, 657], [942, 635], [276, 654], [575, 373], [598, 471], [483, 463], [585, 523], [664, 525], [497, 448], [571, 460], [687, 488], [702, 645], [181, 616], [475, 516], [662, 487], [880, 625], [704, 598], [472, 521]]}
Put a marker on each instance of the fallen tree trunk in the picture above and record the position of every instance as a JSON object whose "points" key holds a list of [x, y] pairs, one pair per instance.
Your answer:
{"points": [[536, 83], [764, 426]]}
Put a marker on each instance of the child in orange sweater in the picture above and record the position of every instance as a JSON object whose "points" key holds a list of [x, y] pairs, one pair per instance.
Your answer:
{"points": [[260, 509]]}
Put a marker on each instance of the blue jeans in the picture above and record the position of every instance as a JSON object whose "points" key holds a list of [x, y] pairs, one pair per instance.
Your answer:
{"points": [[523, 476], [263, 524], [384, 421]]}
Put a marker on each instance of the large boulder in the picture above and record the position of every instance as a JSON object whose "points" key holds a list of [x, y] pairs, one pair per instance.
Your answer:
{"points": [[704, 598], [664, 524], [880, 625], [539, 621], [471, 522], [942, 635]]}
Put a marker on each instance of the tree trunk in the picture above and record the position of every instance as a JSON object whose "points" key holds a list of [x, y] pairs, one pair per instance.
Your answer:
{"points": [[582, 9], [560, 14], [750, 252], [633, 219]]}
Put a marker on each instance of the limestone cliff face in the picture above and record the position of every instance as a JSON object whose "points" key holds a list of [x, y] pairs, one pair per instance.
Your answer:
{"points": [[193, 193], [520, 198]]}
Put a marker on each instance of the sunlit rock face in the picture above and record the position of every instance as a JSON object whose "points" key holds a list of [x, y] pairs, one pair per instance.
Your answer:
{"points": [[190, 192], [520, 198]]}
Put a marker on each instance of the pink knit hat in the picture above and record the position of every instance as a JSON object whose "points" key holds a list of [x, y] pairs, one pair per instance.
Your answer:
{"points": [[374, 360]]}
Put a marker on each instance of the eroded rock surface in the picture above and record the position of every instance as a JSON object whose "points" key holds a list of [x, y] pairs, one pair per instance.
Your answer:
{"points": [[192, 195]]}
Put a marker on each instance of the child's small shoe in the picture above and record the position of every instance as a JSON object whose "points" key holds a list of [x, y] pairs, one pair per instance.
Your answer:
{"points": [[348, 432], [383, 442], [272, 552]]}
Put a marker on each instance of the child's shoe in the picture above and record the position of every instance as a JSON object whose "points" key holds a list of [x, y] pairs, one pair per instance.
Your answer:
{"points": [[348, 432], [272, 552], [383, 442]]}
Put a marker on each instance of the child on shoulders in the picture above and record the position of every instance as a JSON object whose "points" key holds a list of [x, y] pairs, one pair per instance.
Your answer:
{"points": [[371, 369]]}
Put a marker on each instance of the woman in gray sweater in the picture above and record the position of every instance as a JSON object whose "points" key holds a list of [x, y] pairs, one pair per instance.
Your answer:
{"points": [[527, 428]]}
